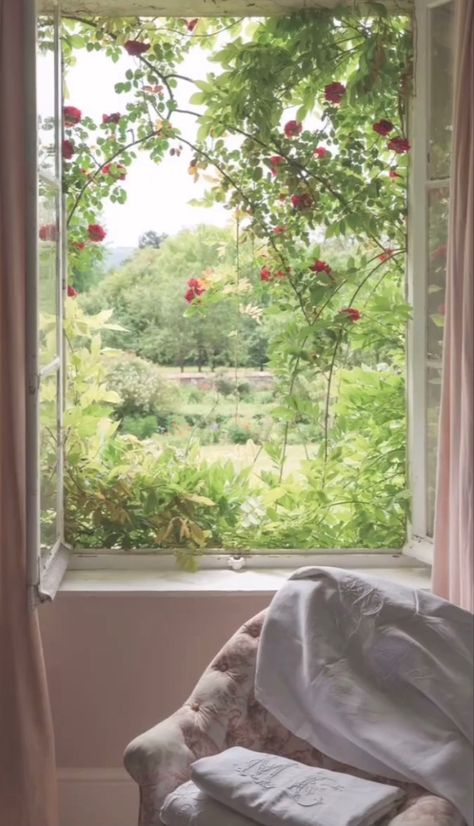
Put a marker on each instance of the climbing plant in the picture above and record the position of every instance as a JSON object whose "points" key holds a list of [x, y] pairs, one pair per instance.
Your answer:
{"points": [[301, 133]]}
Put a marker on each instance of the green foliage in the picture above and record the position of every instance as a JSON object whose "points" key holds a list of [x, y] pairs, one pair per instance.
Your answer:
{"points": [[147, 296], [356, 498], [142, 391], [325, 225]]}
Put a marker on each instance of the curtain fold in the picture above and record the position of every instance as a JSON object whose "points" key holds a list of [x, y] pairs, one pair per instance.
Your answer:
{"points": [[453, 568], [27, 767]]}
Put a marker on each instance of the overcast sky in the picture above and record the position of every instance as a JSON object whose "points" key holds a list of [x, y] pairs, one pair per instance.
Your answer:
{"points": [[158, 194]]}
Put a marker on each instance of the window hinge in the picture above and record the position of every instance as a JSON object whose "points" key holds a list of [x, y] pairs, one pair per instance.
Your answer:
{"points": [[34, 384]]}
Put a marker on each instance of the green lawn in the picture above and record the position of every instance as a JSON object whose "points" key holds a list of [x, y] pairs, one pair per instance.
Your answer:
{"points": [[226, 407], [251, 454]]}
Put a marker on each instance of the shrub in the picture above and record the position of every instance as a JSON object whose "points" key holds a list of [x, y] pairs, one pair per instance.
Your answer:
{"points": [[143, 427], [142, 391], [225, 386], [228, 386], [239, 433], [132, 494]]}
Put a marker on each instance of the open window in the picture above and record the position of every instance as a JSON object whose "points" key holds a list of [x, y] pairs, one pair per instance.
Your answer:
{"points": [[429, 189], [47, 552], [428, 231]]}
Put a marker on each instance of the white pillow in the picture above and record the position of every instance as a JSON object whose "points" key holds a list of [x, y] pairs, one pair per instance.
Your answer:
{"points": [[274, 791], [188, 805]]}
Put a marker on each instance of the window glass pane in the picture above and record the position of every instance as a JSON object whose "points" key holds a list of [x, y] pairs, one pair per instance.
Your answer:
{"points": [[45, 94], [48, 264], [441, 80], [436, 275], [433, 396], [48, 460]]}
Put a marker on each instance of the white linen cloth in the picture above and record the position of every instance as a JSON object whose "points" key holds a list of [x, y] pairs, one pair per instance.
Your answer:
{"points": [[276, 791], [375, 675], [189, 806]]}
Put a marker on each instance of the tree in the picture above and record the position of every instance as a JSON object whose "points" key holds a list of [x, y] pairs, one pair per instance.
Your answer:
{"points": [[147, 295], [152, 239]]}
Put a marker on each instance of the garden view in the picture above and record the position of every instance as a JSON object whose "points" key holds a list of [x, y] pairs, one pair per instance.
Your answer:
{"points": [[240, 386]]}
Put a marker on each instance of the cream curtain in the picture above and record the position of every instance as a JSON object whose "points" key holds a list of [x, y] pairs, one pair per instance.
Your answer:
{"points": [[27, 770], [453, 569]]}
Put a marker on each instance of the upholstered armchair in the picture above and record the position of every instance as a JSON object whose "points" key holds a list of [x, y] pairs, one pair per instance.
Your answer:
{"points": [[222, 712]]}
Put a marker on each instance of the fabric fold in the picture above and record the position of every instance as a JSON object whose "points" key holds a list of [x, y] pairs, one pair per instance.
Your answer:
{"points": [[276, 791], [375, 675], [188, 805]]}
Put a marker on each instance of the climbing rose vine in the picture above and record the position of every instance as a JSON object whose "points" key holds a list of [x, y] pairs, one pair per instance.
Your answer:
{"points": [[304, 141]]}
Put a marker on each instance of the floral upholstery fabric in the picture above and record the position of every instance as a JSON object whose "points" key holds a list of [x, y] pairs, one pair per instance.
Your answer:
{"points": [[222, 712]]}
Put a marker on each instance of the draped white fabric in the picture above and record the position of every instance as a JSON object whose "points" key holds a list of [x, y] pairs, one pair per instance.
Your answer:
{"points": [[375, 675]]}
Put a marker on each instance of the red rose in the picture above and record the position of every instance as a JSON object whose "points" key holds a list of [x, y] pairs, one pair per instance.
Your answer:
{"points": [[115, 170], [135, 48], [293, 128], [334, 92], [79, 245], [195, 289], [275, 163], [48, 232], [68, 149], [321, 152], [393, 174], [278, 230], [191, 24], [281, 274], [113, 118], [383, 127], [302, 202], [265, 274], [72, 292], [351, 313], [72, 115], [321, 266], [399, 145], [386, 255], [96, 232]]}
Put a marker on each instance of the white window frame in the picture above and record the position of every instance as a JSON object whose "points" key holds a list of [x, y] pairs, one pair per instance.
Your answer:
{"points": [[45, 579], [419, 543], [45, 570]]}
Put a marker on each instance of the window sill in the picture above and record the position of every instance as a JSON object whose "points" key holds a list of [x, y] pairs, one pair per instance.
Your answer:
{"points": [[217, 582]]}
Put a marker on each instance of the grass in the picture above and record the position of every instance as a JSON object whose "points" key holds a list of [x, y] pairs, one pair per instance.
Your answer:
{"points": [[243, 456], [225, 407]]}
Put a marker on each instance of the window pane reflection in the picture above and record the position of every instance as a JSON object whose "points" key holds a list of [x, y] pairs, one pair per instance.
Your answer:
{"points": [[48, 460], [48, 243], [436, 275], [441, 91], [433, 396], [45, 83]]}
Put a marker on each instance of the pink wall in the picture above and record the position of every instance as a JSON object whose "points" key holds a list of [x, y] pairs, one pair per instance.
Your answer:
{"points": [[120, 662]]}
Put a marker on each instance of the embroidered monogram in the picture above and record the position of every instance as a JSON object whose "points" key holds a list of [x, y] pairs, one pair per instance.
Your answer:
{"points": [[312, 790], [267, 773], [264, 771]]}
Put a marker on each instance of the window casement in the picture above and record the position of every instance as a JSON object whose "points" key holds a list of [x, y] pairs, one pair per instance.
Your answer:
{"points": [[428, 228], [47, 551]]}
